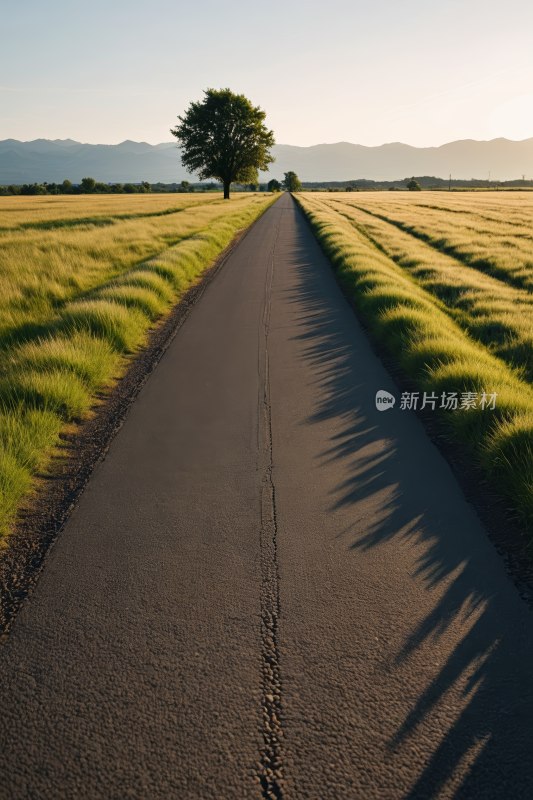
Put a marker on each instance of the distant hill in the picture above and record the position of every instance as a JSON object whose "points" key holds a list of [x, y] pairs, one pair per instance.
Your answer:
{"points": [[53, 161], [504, 159]]}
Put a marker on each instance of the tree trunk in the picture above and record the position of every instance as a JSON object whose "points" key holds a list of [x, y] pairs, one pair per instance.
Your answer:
{"points": [[226, 191]]}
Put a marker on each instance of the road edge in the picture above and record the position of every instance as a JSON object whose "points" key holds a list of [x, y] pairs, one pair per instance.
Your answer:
{"points": [[37, 528]]}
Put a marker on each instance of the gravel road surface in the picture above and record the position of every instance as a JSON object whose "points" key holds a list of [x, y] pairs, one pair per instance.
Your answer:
{"points": [[269, 588]]}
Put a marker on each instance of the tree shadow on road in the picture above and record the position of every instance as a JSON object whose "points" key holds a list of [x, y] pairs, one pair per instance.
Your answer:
{"points": [[487, 749]]}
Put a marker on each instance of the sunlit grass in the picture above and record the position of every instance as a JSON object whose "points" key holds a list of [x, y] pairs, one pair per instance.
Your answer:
{"points": [[491, 233], [122, 327], [91, 358], [42, 270], [42, 210], [60, 392], [147, 279], [490, 310]]}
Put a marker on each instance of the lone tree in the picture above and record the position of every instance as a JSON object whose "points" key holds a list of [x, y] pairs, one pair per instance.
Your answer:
{"points": [[414, 186], [224, 138], [274, 185], [292, 182]]}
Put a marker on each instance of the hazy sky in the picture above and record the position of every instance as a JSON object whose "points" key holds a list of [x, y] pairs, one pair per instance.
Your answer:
{"points": [[422, 72]]}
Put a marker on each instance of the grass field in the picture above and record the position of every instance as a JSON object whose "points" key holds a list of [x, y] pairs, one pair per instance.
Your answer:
{"points": [[446, 283], [82, 279]]}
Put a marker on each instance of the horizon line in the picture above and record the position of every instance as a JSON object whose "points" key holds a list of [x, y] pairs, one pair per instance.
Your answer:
{"points": [[279, 144]]}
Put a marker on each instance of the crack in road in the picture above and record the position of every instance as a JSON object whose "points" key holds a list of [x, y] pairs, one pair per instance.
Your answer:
{"points": [[271, 774]]}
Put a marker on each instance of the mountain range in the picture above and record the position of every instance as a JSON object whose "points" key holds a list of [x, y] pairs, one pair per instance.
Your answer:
{"points": [[55, 160]]}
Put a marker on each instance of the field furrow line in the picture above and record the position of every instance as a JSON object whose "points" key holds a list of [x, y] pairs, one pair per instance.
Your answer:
{"points": [[516, 269], [494, 314]]}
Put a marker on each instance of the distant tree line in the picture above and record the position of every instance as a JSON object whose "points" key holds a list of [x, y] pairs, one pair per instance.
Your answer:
{"points": [[91, 186], [290, 184], [87, 186], [423, 181]]}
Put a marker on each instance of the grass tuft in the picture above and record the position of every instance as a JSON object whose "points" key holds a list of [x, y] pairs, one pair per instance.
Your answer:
{"points": [[90, 358], [59, 392], [150, 303], [28, 434], [15, 482], [122, 327]]}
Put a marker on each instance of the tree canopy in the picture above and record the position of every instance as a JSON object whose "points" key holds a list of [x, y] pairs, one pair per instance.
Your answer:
{"points": [[414, 186], [292, 182], [88, 185], [274, 185], [224, 137]]}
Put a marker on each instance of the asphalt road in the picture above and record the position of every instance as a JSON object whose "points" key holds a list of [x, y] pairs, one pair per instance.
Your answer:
{"points": [[269, 588]]}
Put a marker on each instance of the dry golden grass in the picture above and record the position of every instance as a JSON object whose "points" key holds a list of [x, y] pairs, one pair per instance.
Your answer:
{"points": [[42, 210], [491, 232]]}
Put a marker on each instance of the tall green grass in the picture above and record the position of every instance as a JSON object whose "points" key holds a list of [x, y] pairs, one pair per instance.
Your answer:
{"points": [[69, 349], [27, 435], [491, 311], [433, 348]]}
